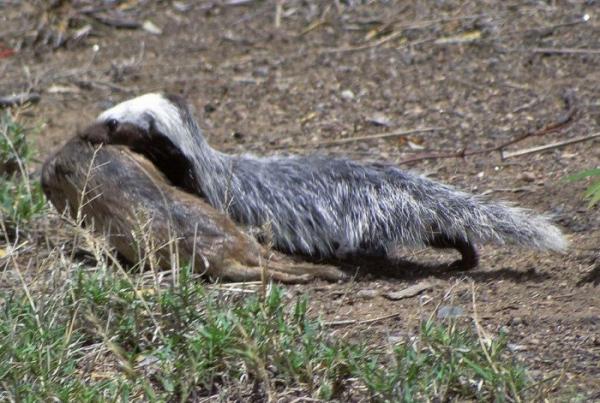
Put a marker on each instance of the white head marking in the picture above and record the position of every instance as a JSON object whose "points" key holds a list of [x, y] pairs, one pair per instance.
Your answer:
{"points": [[141, 110], [167, 118]]}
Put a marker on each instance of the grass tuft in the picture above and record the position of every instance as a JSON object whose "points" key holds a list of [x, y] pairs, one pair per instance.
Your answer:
{"points": [[21, 199], [14, 146]]}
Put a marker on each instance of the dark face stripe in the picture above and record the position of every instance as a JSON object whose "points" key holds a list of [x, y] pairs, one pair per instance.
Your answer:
{"points": [[169, 160], [151, 143]]}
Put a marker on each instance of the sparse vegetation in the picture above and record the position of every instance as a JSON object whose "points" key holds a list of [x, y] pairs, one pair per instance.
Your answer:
{"points": [[105, 335], [14, 146], [21, 199], [592, 193]]}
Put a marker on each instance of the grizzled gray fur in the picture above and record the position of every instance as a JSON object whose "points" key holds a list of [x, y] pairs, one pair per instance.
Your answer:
{"points": [[323, 206]]}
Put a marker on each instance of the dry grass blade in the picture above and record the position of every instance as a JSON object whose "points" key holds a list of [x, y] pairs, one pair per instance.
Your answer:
{"points": [[546, 147], [563, 51], [397, 133]]}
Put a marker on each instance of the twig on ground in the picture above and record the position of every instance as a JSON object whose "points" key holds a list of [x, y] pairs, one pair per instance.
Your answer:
{"points": [[341, 322], [19, 99], [362, 322], [508, 190], [278, 13], [550, 146], [99, 84], [116, 21], [232, 289], [399, 31], [539, 31], [564, 51], [525, 106], [397, 133], [375, 44], [562, 122], [322, 20]]}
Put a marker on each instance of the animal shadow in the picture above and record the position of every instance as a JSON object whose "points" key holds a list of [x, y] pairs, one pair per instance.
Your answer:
{"points": [[403, 269]]}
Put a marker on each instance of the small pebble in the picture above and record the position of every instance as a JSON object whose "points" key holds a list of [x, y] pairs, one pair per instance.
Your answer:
{"points": [[379, 119], [151, 28], [347, 95], [527, 177], [450, 311], [367, 294]]}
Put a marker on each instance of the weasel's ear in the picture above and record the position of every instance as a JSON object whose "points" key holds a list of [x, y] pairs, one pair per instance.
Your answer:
{"points": [[177, 100], [96, 133], [185, 111]]}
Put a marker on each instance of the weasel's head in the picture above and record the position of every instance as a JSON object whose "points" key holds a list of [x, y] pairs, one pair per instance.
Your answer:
{"points": [[147, 117], [161, 127]]}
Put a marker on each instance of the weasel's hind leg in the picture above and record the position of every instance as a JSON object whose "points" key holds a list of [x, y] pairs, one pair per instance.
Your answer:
{"points": [[468, 251]]}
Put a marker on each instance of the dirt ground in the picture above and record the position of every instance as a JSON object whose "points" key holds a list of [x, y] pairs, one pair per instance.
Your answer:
{"points": [[266, 78]]}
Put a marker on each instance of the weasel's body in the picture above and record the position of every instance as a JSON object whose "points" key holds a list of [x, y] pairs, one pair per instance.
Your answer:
{"points": [[317, 205]]}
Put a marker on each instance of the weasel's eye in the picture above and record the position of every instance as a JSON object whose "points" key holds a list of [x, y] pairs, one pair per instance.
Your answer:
{"points": [[112, 124]]}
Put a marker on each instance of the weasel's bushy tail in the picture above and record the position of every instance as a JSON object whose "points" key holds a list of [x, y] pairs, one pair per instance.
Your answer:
{"points": [[460, 215], [527, 228]]}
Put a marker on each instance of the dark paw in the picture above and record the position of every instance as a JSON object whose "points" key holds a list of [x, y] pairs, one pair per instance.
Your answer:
{"points": [[462, 265]]}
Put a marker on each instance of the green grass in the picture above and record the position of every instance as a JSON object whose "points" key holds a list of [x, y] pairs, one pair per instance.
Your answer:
{"points": [[445, 362], [592, 193], [13, 140], [20, 198], [100, 336]]}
